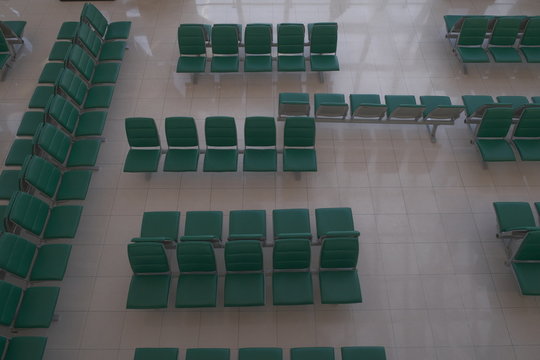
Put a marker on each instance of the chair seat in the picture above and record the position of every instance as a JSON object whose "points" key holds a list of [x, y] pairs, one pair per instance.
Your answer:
{"points": [[514, 216], [532, 54], [324, 63], [9, 183], [299, 160], [196, 290], [17, 26], [26, 348], [40, 97], [148, 292], [291, 63], [260, 160], [50, 72], [220, 160], [495, 150], [254, 63], [68, 30], [113, 50], [225, 64], [142, 160], [91, 123], [340, 287], [37, 307], [106, 73], [51, 262], [18, 152], [84, 153], [156, 354], [118, 30], [59, 50], [191, 64], [473, 55], [244, 289], [181, 160], [528, 276], [99, 97], [529, 149], [29, 123], [505, 54], [63, 222], [292, 288]]}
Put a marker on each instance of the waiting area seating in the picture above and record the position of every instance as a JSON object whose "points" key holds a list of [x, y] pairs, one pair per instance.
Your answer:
{"points": [[22, 348], [10, 42]]}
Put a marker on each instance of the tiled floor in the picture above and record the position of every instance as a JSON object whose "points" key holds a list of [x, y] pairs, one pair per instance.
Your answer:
{"points": [[432, 272]]}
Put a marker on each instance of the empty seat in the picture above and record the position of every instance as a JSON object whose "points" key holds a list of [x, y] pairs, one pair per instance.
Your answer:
{"points": [[78, 124], [5, 55], [323, 46], [99, 50], [330, 106], [106, 30], [293, 104], [290, 47], [260, 353], [258, 48], [156, 354], [529, 44], [440, 108], [526, 264], [19, 150], [92, 72], [149, 286], [335, 222], [470, 40], [23, 347], [29, 123], [299, 144], [247, 225], [312, 353], [518, 103], [291, 224], [68, 30], [207, 354], [504, 36], [203, 226], [85, 97], [403, 107], [13, 30], [192, 47], [41, 96], [514, 218], [159, 226], [367, 106], [526, 135], [260, 152], [144, 145], [225, 56], [476, 105], [363, 352], [9, 183], [490, 135], [183, 144], [222, 146]]}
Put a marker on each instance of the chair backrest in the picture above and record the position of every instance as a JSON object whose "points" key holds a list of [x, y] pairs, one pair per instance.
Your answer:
{"points": [[299, 132], [191, 40], [433, 101], [4, 47], [27, 211], [290, 38], [148, 258], [324, 38], [142, 132], [529, 248], [529, 124], [81, 61], [395, 101], [91, 14], [260, 131], [63, 112], [495, 123], [220, 131], [515, 101], [506, 30], [89, 39], [339, 253], [181, 132], [53, 141], [473, 32], [195, 256], [224, 39], [474, 102], [243, 255], [41, 174], [9, 301], [72, 85], [16, 254], [531, 36], [291, 254], [258, 39]]}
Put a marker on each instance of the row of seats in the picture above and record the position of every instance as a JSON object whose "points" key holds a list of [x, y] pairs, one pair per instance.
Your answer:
{"points": [[476, 105], [244, 279], [225, 41], [454, 23], [221, 154], [10, 36], [163, 226], [300, 353]]}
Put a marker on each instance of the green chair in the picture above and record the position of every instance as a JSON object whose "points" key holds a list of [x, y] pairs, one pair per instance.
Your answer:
{"points": [[312, 353], [225, 55], [50, 72], [203, 226], [221, 142], [13, 30], [363, 352], [118, 30], [41, 96], [535, 99], [192, 47], [156, 354], [526, 135], [403, 107], [19, 150], [79, 125], [9, 183], [529, 44], [91, 71], [518, 103], [30, 308], [291, 224], [299, 144], [183, 144], [197, 282], [490, 135], [526, 264], [159, 226], [338, 277], [440, 108], [6, 55], [260, 354], [330, 106], [293, 104], [207, 354], [29, 123], [247, 225], [290, 47], [470, 40], [144, 145], [68, 30], [21, 257], [367, 106], [258, 48], [85, 97], [514, 218], [323, 46], [244, 281], [291, 276], [260, 152], [476, 106], [60, 49], [454, 23], [504, 36], [23, 347], [149, 287], [27, 212], [99, 50], [335, 222]]}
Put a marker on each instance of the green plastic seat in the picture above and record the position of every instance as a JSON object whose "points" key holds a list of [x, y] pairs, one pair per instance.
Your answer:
{"points": [[367, 106], [330, 105], [517, 102], [59, 51], [41, 97], [208, 354], [149, 287], [144, 145], [290, 47], [9, 183], [91, 71], [30, 122], [440, 108], [23, 347], [312, 353], [526, 264], [363, 352], [79, 125], [13, 30], [159, 226], [335, 222], [526, 136], [51, 262], [471, 37], [203, 226], [454, 23], [258, 48], [183, 144], [197, 282], [244, 281], [529, 44], [225, 56], [260, 354], [403, 107], [85, 97], [247, 225], [19, 150], [476, 105], [118, 30], [338, 277], [323, 46], [490, 135], [291, 276], [192, 46], [50, 72], [99, 50], [514, 216], [504, 36], [260, 153], [222, 144], [299, 144], [293, 104], [68, 30], [291, 224], [156, 354]]}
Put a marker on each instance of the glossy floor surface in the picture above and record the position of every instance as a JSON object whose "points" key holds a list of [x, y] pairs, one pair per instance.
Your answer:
{"points": [[432, 272]]}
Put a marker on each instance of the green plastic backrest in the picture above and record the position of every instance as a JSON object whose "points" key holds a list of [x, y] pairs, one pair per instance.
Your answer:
{"points": [[339, 253], [247, 224], [243, 255], [506, 30], [41, 174], [292, 254], [160, 224], [53, 141], [4, 47], [516, 101], [258, 39], [89, 38], [195, 256], [63, 112], [142, 132], [299, 131], [432, 102], [191, 40], [324, 38], [395, 101], [529, 248], [366, 98], [9, 300], [28, 212], [260, 131], [225, 39], [495, 123], [220, 131], [81, 61], [513, 215], [147, 258], [204, 223], [95, 17], [16, 254], [474, 102], [473, 31], [3, 344], [181, 131], [529, 123], [531, 36], [72, 85], [291, 38]]}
